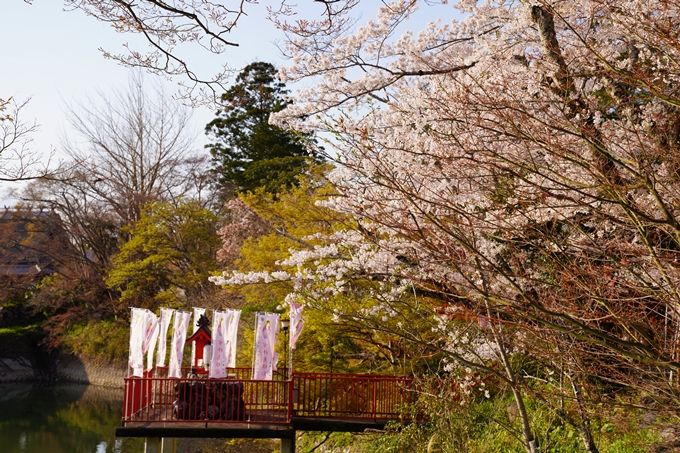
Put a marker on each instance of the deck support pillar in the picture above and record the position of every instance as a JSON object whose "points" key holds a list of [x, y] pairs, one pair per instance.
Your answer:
{"points": [[153, 445], [288, 445], [160, 445], [169, 445]]}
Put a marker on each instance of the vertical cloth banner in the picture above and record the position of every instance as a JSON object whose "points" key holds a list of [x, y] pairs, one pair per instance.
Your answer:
{"points": [[232, 336], [166, 316], [150, 337], [267, 325], [179, 336], [296, 323], [218, 361], [136, 357], [198, 312]]}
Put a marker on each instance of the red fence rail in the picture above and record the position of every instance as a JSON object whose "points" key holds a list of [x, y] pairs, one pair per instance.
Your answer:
{"points": [[238, 399], [351, 395], [197, 399]]}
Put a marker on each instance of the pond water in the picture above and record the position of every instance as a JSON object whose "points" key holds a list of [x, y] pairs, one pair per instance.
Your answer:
{"points": [[62, 419]]}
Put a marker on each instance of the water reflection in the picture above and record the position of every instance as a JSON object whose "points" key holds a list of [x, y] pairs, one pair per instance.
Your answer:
{"points": [[62, 419]]}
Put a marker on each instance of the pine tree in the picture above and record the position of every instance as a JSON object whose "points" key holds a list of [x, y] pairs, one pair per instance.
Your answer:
{"points": [[248, 152]]}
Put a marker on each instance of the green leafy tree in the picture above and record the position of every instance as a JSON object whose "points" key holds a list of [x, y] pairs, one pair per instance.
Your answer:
{"points": [[169, 256], [248, 152]]}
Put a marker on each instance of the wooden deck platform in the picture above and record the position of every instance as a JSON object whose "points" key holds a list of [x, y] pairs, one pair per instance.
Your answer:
{"points": [[244, 408], [209, 429]]}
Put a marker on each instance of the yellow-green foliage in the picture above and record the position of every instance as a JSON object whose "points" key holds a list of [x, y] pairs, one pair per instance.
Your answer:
{"points": [[295, 215], [19, 341], [485, 425], [103, 341], [170, 254]]}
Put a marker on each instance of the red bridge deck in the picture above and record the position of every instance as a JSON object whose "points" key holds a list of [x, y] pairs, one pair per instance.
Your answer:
{"points": [[157, 406]]}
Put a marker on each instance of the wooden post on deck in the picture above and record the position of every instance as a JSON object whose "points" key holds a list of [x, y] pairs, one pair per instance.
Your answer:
{"points": [[288, 445]]}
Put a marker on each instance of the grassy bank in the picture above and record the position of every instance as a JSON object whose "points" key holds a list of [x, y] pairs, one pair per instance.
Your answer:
{"points": [[104, 341]]}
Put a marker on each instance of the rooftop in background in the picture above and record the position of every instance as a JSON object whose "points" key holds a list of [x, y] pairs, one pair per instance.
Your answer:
{"points": [[30, 242]]}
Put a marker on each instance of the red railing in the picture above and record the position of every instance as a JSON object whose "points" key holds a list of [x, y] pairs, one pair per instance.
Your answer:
{"points": [[199, 399], [137, 394], [238, 399], [351, 395]]}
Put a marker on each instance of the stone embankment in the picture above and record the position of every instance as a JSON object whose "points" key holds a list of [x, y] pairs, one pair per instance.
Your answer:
{"points": [[66, 369], [16, 369], [72, 369]]}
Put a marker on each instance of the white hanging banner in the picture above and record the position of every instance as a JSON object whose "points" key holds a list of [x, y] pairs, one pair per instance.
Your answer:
{"points": [[232, 337], [296, 323], [218, 361], [267, 325], [198, 312], [166, 317], [179, 336], [150, 337], [136, 357]]}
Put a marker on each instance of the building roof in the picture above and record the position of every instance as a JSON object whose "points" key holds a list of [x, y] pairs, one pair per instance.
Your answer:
{"points": [[203, 332], [31, 242]]}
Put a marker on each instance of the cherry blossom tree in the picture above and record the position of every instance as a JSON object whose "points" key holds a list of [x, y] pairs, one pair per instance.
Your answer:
{"points": [[168, 27], [519, 163]]}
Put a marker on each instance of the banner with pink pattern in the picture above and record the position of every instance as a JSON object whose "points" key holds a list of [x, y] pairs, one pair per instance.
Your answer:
{"points": [[218, 360], [232, 336], [136, 357], [166, 317], [296, 323], [267, 325], [179, 336]]}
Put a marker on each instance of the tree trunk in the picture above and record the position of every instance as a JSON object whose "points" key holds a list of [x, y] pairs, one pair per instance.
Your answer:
{"points": [[585, 430]]}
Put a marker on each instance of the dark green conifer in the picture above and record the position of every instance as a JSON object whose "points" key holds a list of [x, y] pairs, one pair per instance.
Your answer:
{"points": [[248, 152]]}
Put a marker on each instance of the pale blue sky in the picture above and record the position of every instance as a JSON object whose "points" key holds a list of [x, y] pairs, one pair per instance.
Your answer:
{"points": [[52, 56]]}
